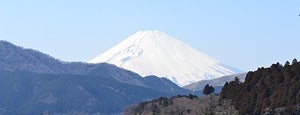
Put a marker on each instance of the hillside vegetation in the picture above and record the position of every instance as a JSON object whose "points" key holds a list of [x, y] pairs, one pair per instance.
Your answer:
{"points": [[183, 105], [32, 82], [266, 91], [273, 90]]}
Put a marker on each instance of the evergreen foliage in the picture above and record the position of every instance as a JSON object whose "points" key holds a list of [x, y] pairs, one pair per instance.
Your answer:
{"points": [[275, 88], [208, 89], [294, 61]]}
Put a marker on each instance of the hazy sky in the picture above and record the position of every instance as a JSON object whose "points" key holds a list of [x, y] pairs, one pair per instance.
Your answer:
{"points": [[245, 34]]}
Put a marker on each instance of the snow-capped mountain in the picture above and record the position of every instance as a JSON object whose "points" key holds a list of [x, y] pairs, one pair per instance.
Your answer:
{"points": [[156, 53]]}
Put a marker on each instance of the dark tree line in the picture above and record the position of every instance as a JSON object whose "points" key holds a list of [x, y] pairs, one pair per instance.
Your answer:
{"points": [[266, 89]]}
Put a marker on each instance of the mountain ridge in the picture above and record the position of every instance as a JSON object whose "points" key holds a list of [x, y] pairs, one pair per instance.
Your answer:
{"points": [[215, 82], [39, 60], [46, 84], [17, 58]]}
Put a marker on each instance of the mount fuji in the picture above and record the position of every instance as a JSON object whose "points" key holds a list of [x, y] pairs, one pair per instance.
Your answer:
{"points": [[156, 53]]}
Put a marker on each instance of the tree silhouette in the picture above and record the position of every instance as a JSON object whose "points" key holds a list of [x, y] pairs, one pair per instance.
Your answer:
{"points": [[211, 89], [236, 79], [287, 63], [208, 89], [294, 61]]}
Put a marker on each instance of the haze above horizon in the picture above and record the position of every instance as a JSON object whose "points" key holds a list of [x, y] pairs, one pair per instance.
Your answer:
{"points": [[244, 34]]}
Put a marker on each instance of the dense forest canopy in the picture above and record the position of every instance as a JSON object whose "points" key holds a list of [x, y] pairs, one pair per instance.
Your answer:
{"points": [[273, 90]]}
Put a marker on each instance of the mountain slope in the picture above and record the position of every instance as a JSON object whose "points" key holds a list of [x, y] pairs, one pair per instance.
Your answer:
{"points": [[183, 105], [271, 91], [32, 83], [129, 77], [16, 58], [164, 85], [156, 53], [36, 93], [215, 82]]}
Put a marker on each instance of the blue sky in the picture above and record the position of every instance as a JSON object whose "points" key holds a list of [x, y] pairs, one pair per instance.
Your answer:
{"points": [[245, 34]]}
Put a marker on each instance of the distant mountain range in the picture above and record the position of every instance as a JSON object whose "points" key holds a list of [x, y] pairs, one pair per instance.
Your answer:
{"points": [[217, 82], [156, 53], [32, 82]]}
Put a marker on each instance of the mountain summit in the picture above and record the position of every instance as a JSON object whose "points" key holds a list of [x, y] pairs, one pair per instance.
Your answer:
{"points": [[156, 53]]}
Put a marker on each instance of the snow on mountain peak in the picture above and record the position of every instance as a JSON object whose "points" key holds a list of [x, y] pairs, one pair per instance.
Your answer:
{"points": [[156, 53]]}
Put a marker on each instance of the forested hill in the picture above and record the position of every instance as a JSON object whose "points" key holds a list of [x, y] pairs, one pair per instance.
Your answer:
{"points": [[268, 90], [183, 105]]}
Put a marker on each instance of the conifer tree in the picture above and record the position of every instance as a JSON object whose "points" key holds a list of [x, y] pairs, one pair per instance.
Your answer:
{"points": [[294, 61], [208, 89]]}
